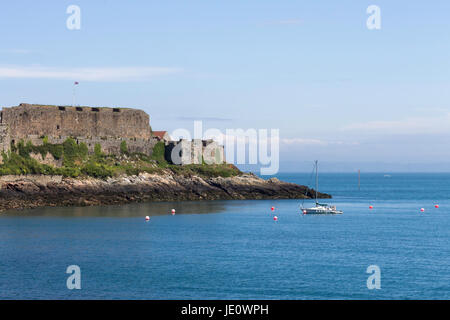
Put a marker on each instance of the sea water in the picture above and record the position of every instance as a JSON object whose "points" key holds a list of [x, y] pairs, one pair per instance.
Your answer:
{"points": [[235, 249]]}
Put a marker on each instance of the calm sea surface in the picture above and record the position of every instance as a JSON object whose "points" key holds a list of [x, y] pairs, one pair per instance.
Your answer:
{"points": [[235, 250]]}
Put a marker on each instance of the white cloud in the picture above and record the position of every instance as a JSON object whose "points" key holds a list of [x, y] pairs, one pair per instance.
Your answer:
{"points": [[282, 141], [285, 22], [15, 51], [303, 141], [316, 142], [110, 74], [411, 125]]}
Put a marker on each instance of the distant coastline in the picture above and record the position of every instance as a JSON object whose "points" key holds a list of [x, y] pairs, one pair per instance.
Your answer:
{"points": [[384, 167]]}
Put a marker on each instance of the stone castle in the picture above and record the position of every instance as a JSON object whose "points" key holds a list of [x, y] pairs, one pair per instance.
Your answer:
{"points": [[105, 126]]}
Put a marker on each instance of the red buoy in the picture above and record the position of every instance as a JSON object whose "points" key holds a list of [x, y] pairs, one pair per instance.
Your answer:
{"points": [[370, 207], [147, 218], [422, 210], [436, 206], [275, 218], [173, 211], [273, 208]]}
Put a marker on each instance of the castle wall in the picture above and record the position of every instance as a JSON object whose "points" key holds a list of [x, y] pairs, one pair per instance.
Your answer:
{"points": [[105, 126], [109, 145], [213, 153], [26, 120], [178, 152], [186, 152], [5, 138]]}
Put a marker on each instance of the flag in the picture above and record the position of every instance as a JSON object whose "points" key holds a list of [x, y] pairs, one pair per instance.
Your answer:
{"points": [[76, 82]]}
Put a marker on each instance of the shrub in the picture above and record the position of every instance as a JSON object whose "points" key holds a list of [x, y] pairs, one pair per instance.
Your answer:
{"points": [[73, 152], [83, 150], [69, 149], [158, 153], [123, 147], [13, 146], [98, 150], [24, 150], [14, 163], [69, 172], [56, 150], [97, 170], [216, 170]]}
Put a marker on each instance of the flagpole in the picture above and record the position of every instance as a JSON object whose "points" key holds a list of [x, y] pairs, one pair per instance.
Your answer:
{"points": [[73, 93]]}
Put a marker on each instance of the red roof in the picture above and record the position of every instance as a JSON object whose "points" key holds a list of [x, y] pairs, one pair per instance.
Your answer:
{"points": [[159, 134]]}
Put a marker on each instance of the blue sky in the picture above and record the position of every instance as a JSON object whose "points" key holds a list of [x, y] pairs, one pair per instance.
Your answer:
{"points": [[336, 90]]}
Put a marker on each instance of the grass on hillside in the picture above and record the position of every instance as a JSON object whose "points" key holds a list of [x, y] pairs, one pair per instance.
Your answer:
{"points": [[76, 161]]}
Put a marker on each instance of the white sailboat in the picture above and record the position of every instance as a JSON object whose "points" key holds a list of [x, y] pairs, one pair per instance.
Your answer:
{"points": [[320, 208]]}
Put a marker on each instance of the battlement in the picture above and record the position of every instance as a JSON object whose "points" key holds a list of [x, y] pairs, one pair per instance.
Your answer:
{"points": [[46, 120], [91, 125]]}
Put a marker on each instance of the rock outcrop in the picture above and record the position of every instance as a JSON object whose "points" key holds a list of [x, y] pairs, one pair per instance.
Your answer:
{"points": [[17, 192]]}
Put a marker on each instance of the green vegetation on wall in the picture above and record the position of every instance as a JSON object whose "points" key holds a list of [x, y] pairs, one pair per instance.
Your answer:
{"points": [[123, 147], [158, 153], [76, 161], [98, 151], [15, 164], [25, 149], [73, 153]]}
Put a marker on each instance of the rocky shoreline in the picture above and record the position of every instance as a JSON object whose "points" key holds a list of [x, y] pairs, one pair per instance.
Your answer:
{"points": [[31, 191]]}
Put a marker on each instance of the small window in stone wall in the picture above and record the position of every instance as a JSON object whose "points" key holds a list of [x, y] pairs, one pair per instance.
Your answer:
{"points": [[116, 110], [79, 109], [62, 108], [57, 127], [95, 109]]}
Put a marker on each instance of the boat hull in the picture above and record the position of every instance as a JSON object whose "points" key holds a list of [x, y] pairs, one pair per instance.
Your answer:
{"points": [[321, 211]]}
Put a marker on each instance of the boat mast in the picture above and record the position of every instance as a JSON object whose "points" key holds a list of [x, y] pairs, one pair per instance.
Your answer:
{"points": [[317, 178], [359, 180]]}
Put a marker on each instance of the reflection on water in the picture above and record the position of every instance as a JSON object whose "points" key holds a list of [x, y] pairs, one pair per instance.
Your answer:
{"points": [[127, 210]]}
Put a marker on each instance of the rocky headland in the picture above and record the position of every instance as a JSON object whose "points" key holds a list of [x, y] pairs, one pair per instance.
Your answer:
{"points": [[30, 191]]}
